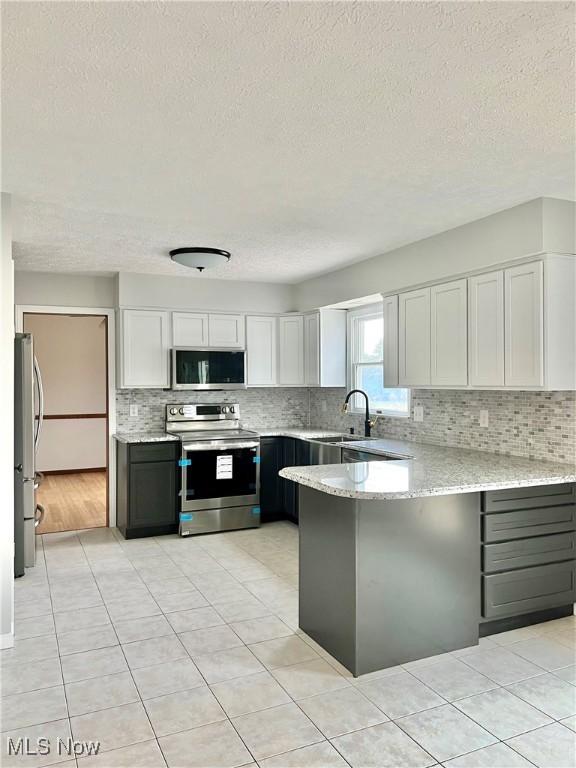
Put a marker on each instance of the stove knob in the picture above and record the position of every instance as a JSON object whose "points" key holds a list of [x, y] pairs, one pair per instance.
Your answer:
{"points": [[181, 411], [173, 411], [231, 409], [225, 409]]}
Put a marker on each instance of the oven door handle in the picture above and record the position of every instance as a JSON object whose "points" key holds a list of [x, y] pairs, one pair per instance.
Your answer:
{"points": [[205, 446]]}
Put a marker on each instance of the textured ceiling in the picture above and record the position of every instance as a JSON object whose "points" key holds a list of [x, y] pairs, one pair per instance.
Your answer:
{"points": [[300, 136]]}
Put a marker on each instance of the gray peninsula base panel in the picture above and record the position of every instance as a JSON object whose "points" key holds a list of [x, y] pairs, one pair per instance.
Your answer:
{"points": [[385, 582]]}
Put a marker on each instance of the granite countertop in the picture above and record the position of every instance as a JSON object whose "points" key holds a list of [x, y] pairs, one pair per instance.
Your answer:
{"points": [[298, 432], [433, 470], [144, 437]]}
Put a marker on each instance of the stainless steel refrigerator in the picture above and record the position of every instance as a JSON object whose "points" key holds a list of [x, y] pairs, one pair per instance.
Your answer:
{"points": [[28, 418]]}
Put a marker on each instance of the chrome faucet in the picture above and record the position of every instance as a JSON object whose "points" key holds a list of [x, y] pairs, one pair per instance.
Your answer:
{"points": [[367, 423]]}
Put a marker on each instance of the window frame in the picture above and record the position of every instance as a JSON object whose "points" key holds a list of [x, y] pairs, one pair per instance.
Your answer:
{"points": [[352, 345]]}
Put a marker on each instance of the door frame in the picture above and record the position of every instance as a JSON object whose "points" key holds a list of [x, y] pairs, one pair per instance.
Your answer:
{"points": [[21, 310]]}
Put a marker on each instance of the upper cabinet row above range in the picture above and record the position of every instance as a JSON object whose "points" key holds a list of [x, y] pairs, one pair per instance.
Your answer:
{"points": [[509, 328], [290, 350]]}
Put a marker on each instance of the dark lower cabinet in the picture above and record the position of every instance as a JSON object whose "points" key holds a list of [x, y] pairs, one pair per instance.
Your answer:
{"points": [[147, 488], [302, 453], [271, 462], [528, 555], [290, 489], [279, 497]]}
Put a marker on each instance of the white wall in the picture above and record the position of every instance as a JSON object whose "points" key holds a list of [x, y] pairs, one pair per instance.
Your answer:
{"points": [[559, 225], [71, 352], [540, 225], [55, 289], [7, 430], [72, 444], [135, 290]]}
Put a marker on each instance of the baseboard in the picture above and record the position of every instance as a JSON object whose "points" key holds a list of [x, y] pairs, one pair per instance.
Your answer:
{"points": [[7, 640], [525, 620], [72, 471]]}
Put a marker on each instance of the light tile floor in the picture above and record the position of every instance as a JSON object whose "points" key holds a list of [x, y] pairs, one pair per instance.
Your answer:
{"points": [[187, 652]]}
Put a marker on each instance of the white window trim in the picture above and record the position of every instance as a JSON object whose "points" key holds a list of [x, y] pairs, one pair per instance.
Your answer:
{"points": [[351, 345]]}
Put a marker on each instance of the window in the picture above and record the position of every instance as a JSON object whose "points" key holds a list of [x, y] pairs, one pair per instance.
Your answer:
{"points": [[366, 367]]}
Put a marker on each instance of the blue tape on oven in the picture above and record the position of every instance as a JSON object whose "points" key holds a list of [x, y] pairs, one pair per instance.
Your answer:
{"points": [[184, 462], [255, 510], [256, 459], [186, 517]]}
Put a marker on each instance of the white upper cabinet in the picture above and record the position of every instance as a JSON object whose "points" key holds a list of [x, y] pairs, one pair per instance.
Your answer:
{"points": [[291, 351], [414, 338], [513, 328], [332, 365], [560, 322], [510, 328], [261, 347], [193, 329], [449, 334], [144, 344], [189, 329], [312, 350], [325, 348], [390, 349], [297, 350], [524, 325], [226, 330], [486, 329]]}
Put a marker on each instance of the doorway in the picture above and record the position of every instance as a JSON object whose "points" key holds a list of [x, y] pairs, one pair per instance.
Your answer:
{"points": [[72, 458]]}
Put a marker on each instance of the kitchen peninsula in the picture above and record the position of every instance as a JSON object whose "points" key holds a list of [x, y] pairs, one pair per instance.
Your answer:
{"points": [[405, 559]]}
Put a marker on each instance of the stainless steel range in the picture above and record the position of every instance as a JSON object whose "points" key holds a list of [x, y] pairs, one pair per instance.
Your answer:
{"points": [[220, 468]]}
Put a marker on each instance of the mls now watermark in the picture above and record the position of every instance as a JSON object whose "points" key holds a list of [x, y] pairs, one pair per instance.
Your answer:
{"points": [[44, 746]]}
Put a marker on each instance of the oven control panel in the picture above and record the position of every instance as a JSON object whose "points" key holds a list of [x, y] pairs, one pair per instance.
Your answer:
{"points": [[203, 412]]}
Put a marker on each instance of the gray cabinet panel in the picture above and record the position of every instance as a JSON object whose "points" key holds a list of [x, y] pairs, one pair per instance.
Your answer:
{"points": [[524, 498], [152, 494], [522, 553], [153, 451], [529, 522], [147, 481], [528, 590]]}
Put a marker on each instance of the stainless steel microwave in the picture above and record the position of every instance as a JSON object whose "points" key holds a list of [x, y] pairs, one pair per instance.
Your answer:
{"points": [[208, 368]]}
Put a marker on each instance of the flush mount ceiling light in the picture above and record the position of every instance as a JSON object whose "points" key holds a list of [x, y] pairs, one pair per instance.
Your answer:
{"points": [[200, 258]]}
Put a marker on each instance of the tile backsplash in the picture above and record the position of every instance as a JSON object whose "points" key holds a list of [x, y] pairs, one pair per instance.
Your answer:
{"points": [[261, 407], [539, 425]]}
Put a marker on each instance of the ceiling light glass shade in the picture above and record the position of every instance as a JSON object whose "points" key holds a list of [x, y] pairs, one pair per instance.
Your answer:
{"points": [[200, 258]]}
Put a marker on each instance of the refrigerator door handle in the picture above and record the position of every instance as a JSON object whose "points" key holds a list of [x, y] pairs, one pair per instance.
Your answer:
{"points": [[38, 380], [39, 516]]}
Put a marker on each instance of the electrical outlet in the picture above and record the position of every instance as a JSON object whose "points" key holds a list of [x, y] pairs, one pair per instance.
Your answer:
{"points": [[324, 406], [484, 418], [133, 409], [418, 413]]}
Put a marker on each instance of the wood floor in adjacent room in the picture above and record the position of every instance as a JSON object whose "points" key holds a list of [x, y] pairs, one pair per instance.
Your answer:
{"points": [[72, 501]]}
